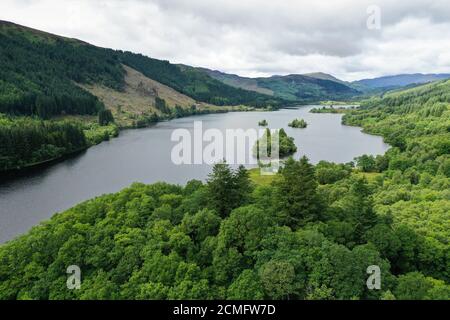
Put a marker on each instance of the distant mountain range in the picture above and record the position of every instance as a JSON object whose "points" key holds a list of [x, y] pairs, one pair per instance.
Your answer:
{"points": [[400, 80], [294, 87], [319, 85]]}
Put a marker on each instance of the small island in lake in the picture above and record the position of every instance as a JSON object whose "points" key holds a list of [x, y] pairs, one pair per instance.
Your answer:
{"points": [[263, 123], [286, 144], [298, 123]]}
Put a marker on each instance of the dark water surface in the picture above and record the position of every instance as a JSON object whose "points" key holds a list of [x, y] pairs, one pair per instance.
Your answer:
{"points": [[144, 155]]}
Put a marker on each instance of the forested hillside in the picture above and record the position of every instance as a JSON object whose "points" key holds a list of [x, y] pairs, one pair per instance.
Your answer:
{"points": [[307, 89], [196, 84], [311, 87], [43, 76], [39, 75], [309, 234], [416, 172]]}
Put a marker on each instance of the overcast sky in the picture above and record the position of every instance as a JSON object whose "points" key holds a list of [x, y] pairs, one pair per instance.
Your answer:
{"points": [[258, 37]]}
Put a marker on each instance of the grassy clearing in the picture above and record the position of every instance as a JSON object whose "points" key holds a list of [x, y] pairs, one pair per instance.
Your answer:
{"points": [[259, 179], [138, 98], [370, 176]]}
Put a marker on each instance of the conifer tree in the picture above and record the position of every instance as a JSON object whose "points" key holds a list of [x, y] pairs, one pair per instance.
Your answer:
{"points": [[296, 197]]}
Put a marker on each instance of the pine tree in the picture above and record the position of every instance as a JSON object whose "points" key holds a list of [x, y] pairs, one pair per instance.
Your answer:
{"points": [[364, 217], [105, 117], [296, 197], [228, 189], [243, 186], [220, 186]]}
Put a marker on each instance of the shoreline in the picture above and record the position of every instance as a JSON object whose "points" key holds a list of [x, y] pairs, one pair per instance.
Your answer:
{"points": [[29, 168], [23, 170], [44, 169]]}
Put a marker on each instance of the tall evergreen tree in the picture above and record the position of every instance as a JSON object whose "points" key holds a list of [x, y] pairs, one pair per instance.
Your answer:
{"points": [[243, 186], [296, 198], [363, 215], [105, 117], [227, 189], [220, 186]]}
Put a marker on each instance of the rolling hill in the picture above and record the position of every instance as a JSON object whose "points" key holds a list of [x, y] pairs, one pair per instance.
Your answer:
{"points": [[306, 88], [138, 98], [53, 90], [325, 76], [397, 81], [237, 81], [296, 87], [46, 75]]}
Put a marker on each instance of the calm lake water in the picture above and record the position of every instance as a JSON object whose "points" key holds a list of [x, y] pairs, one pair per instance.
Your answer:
{"points": [[144, 155]]}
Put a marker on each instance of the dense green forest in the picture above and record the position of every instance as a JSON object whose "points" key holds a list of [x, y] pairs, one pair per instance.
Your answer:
{"points": [[415, 173], [310, 234], [25, 141], [38, 74], [302, 237]]}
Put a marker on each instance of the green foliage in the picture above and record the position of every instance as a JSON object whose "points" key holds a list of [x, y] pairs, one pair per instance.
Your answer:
{"points": [[296, 193], [246, 287], [161, 105], [162, 242], [39, 77], [330, 109], [287, 146], [298, 123], [227, 189], [263, 123], [265, 147], [27, 141], [413, 188], [310, 234], [415, 286], [278, 279], [328, 173], [105, 117], [305, 88], [366, 163], [96, 133], [195, 83]]}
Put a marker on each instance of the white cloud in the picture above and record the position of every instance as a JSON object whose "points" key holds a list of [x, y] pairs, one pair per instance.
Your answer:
{"points": [[255, 37]]}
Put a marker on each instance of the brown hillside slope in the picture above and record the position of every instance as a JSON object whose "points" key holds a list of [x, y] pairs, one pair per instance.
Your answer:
{"points": [[138, 98]]}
